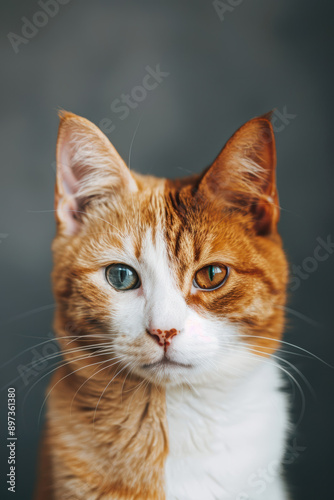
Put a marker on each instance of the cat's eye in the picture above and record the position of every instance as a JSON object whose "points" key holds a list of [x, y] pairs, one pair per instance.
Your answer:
{"points": [[211, 277], [122, 277]]}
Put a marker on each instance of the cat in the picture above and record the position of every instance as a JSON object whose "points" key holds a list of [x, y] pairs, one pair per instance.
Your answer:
{"points": [[170, 306]]}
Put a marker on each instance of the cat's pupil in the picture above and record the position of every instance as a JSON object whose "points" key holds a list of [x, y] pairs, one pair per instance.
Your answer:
{"points": [[123, 273], [211, 272]]}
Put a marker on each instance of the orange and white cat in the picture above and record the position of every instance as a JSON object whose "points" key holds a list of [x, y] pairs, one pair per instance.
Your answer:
{"points": [[170, 299]]}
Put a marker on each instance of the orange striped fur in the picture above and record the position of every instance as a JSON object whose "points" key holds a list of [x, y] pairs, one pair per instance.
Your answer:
{"points": [[106, 434]]}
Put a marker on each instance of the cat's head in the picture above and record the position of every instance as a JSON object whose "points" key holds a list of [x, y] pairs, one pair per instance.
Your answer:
{"points": [[178, 281]]}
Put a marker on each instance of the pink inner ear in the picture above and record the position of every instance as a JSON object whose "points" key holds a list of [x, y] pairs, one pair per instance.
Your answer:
{"points": [[68, 186], [243, 174], [68, 180], [67, 208], [88, 167]]}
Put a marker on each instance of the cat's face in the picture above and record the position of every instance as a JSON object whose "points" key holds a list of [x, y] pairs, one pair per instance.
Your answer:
{"points": [[178, 282]]}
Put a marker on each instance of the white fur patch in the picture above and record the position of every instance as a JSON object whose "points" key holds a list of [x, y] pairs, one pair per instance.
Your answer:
{"points": [[222, 437]]}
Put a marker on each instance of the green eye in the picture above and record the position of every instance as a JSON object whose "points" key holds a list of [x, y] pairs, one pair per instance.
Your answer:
{"points": [[122, 277]]}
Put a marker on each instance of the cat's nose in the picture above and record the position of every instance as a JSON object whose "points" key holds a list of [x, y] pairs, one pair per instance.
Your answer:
{"points": [[163, 337]]}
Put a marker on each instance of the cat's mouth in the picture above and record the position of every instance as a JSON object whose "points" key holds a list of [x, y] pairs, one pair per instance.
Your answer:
{"points": [[166, 362]]}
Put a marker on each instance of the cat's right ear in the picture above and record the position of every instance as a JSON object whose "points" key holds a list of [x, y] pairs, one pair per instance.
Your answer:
{"points": [[88, 169]]}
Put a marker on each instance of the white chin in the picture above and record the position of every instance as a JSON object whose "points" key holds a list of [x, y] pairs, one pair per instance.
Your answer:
{"points": [[165, 371]]}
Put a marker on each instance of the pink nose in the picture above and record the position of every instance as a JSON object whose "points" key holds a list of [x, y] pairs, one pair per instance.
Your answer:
{"points": [[163, 337]]}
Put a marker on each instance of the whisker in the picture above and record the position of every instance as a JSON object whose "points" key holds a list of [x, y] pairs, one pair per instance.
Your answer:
{"points": [[80, 358], [133, 138], [63, 378], [53, 339], [60, 353], [291, 345], [268, 361], [104, 390], [302, 376], [124, 383], [299, 315], [30, 312], [85, 381]]}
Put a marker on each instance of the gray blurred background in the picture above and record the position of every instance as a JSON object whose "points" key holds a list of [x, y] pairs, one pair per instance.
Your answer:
{"points": [[223, 69]]}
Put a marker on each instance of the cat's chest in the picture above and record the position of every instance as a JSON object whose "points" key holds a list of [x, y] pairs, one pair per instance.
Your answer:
{"points": [[217, 445]]}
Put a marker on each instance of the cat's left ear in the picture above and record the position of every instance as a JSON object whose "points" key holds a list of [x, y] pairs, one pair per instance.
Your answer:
{"points": [[88, 169], [243, 174]]}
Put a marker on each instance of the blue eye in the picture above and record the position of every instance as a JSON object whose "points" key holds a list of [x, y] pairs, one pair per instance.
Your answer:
{"points": [[122, 277]]}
